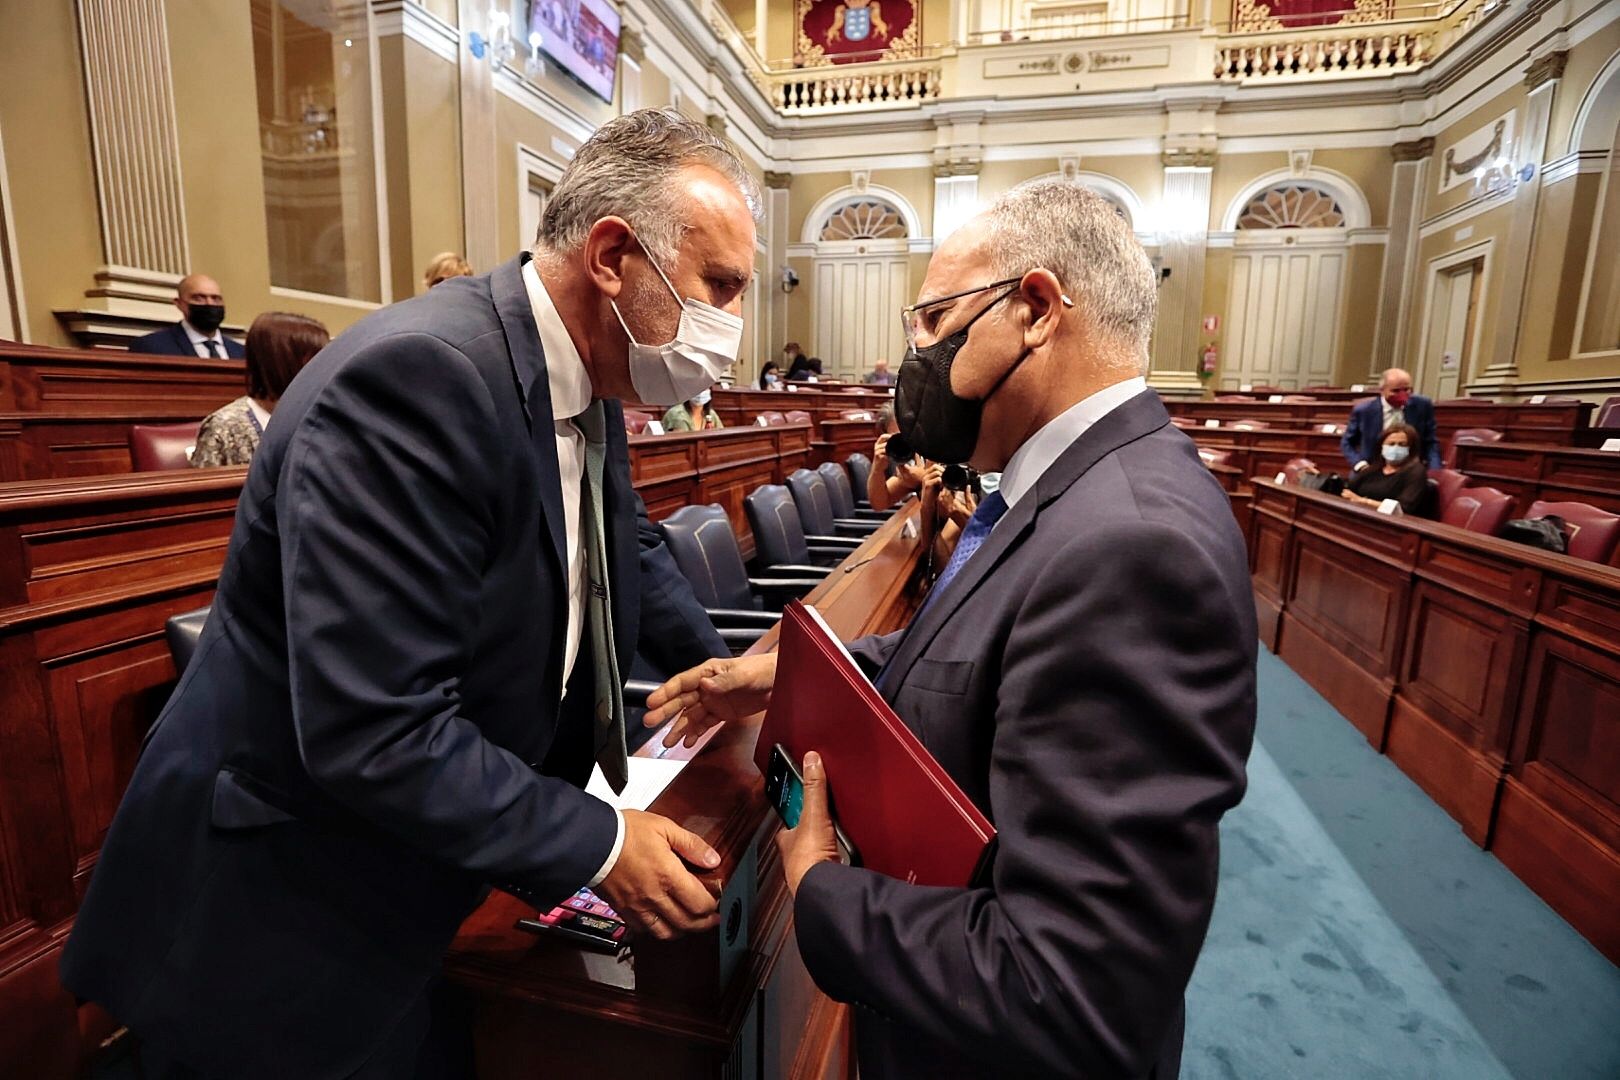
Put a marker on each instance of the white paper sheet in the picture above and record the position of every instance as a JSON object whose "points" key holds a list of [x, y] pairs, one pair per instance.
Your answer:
{"points": [[648, 779]]}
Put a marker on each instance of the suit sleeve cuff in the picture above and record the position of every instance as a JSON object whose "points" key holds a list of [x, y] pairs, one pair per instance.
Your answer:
{"points": [[613, 856]]}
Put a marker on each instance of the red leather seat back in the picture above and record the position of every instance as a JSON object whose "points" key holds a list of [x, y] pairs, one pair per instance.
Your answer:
{"points": [[797, 416], [1215, 457], [773, 419], [635, 421], [1481, 510], [1449, 482], [1470, 435], [155, 447], [1296, 466], [1591, 533]]}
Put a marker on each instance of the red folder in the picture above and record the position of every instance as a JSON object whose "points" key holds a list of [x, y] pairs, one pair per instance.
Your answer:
{"points": [[905, 816]]}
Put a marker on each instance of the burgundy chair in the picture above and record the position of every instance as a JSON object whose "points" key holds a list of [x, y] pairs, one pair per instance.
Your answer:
{"points": [[154, 447], [1215, 457], [1447, 482], [635, 421], [856, 414], [1296, 466], [1481, 510], [773, 418], [797, 416], [1233, 397], [1470, 435], [1591, 533], [1608, 413], [1298, 399], [1248, 425]]}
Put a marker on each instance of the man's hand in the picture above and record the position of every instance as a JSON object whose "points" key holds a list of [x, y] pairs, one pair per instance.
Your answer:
{"points": [[814, 841], [1359, 466], [715, 690], [880, 452], [650, 886]]}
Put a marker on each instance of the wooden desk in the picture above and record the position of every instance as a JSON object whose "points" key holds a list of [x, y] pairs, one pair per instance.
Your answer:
{"points": [[735, 1002], [1266, 451], [1488, 671], [1528, 473], [38, 379], [695, 467], [1553, 425], [836, 438], [89, 572]]}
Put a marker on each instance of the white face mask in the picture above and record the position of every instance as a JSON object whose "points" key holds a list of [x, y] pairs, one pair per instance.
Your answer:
{"points": [[989, 482], [1395, 453], [704, 348], [701, 398]]}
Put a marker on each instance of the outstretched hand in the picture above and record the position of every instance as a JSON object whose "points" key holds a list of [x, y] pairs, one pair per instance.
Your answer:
{"points": [[712, 692]]}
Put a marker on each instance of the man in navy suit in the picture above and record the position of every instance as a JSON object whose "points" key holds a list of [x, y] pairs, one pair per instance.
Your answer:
{"points": [[202, 311], [1395, 404], [412, 660], [1083, 668]]}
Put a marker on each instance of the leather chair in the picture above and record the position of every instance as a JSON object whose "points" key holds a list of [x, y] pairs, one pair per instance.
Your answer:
{"points": [[1234, 397], [1249, 425], [1215, 457], [773, 418], [1469, 435], [856, 414], [155, 447], [1296, 466], [705, 549], [821, 525], [780, 546], [1447, 483], [797, 416], [183, 631], [1481, 510], [860, 471], [635, 421], [843, 497], [1592, 534], [1608, 413]]}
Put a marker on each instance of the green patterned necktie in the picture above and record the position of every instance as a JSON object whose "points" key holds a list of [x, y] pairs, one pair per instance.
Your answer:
{"points": [[611, 752]]}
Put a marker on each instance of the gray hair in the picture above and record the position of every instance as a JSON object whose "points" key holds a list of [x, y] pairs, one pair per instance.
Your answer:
{"points": [[1083, 239], [625, 170]]}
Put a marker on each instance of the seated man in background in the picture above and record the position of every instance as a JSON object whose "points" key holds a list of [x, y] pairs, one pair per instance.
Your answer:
{"points": [[693, 415], [443, 267], [890, 481], [202, 312], [1395, 404], [1084, 669], [1396, 473], [278, 345], [880, 374]]}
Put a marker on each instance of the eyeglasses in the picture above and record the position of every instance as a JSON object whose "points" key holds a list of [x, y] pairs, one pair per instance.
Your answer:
{"points": [[914, 323]]}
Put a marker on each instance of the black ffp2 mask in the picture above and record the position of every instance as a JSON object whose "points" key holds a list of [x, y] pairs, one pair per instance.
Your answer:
{"points": [[937, 423], [205, 317]]}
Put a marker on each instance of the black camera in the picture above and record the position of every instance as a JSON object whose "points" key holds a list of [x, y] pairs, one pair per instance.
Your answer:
{"points": [[899, 451], [957, 478]]}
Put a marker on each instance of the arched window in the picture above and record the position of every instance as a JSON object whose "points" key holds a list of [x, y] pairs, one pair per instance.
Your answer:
{"points": [[864, 219], [1292, 206]]}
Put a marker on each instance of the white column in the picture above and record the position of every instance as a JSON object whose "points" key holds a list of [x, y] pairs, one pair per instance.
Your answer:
{"points": [[956, 199], [480, 219], [1503, 370], [762, 18], [1184, 232], [776, 241]]}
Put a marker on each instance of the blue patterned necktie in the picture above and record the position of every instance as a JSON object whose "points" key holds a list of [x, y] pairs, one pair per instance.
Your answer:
{"points": [[973, 537]]}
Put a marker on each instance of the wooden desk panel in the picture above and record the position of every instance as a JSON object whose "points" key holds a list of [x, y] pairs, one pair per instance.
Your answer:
{"points": [[1499, 667], [1558, 474], [37, 379], [663, 1011], [1555, 425]]}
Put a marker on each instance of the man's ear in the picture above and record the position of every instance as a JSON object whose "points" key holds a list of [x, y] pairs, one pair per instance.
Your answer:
{"points": [[181, 304], [1043, 294], [606, 246]]}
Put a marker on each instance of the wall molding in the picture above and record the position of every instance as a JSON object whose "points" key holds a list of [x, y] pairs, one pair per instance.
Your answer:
{"points": [[1462, 213], [1574, 164], [391, 18]]}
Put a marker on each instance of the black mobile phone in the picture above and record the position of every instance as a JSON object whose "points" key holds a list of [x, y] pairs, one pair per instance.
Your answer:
{"points": [[585, 920], [784, 789]]}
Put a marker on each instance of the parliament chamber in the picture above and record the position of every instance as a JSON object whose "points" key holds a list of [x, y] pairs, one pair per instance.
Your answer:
{"points": [[1360, 217]]}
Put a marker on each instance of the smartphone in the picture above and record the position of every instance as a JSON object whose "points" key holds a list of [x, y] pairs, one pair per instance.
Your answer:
{"points": [[784, 789], [585, 920]]}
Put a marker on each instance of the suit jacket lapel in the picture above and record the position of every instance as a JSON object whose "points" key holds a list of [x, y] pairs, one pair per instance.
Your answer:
{"points": [[511, 300], [1137, 417]]}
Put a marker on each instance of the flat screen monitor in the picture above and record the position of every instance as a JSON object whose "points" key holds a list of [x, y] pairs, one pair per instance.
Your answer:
{"points": [[582, 36]]}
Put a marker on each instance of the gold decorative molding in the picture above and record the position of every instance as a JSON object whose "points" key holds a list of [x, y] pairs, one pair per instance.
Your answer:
{"points": [[633, 44], [715, 123], [778, 181], [1187, 157], [1493, 149], [1545, 69], [1414, 150]]}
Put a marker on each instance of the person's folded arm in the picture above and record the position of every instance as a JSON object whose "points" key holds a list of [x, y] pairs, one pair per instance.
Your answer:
{"points": [[1124, 718], [388, 506]]}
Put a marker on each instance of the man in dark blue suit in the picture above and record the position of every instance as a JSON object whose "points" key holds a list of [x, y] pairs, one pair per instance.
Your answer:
{"points": [[202, 311], [435, 580], [1395, 404], [1083, 668]]}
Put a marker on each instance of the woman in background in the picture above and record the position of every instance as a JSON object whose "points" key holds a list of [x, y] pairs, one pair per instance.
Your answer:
{"points": [[1396, 473], [443, 267], [278, 345], [801, 370], [694, 415], [770, 377]]}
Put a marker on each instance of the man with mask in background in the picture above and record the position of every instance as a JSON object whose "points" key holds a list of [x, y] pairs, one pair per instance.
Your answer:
{"points": [[1395, 404], [1083, 668], [202, 312], [417, 649]]}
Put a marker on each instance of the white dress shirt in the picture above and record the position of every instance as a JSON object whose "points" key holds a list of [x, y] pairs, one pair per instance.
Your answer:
{"points": [[570, 386], [1047, 445], [198, 339]]}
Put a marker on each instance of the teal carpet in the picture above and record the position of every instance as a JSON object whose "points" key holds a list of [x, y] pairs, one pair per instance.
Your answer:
{"points": [[1358, 933]]}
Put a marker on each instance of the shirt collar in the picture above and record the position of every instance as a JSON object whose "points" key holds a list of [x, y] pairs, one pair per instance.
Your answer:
{"points": [[566, 376], [1033, 458], [197, 336]]}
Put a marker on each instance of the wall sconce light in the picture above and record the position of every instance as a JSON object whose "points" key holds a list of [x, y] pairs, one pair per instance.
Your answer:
{"points": [[1500, 176], [790, 279], [498, 47]]}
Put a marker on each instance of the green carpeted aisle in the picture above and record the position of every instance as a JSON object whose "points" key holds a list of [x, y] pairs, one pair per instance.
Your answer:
{"points": [[1358, 933]]}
